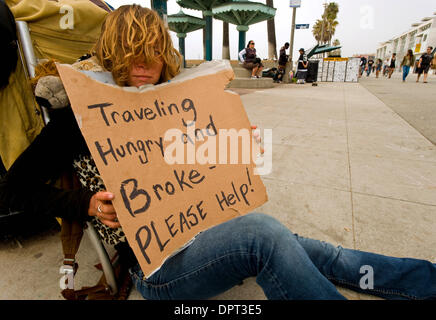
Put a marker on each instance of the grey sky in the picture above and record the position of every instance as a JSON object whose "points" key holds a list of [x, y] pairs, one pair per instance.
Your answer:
{"points": [[363, 24]]}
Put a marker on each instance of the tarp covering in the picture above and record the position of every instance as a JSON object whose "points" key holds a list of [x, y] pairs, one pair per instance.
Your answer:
{"points": [[63, 30], [19, 123]]}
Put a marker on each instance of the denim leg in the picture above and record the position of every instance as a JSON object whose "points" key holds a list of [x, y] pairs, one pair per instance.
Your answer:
{"points": [[393, 278], [407, 72], [254, 245]]}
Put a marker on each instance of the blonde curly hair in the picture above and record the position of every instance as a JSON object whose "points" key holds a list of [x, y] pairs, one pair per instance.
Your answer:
{"points": [[132, 33]]}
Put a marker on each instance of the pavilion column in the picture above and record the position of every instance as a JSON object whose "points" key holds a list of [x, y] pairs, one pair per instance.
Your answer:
{"points": [[242, 35], [182, 24], [208, 18], [161, 7], [182, 36]]}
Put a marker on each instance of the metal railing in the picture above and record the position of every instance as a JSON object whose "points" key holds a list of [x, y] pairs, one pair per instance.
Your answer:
{"points": [[29, 61]]}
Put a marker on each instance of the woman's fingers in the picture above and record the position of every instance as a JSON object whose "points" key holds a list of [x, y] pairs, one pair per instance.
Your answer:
{"points": [[101, 207], [257, 138], [107, 215], [106, 212], [111, 223], [104, 196], [106, 209]]}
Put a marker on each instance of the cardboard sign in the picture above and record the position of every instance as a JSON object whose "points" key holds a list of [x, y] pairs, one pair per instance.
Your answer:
{"points": [[162, 203]]}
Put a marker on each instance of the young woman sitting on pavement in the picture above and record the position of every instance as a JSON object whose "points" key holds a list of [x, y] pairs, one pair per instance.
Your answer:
{"points": [[136, 48]]}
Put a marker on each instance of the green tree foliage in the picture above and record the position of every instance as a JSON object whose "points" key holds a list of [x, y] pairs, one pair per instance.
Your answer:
{"points": [[325, 28]]}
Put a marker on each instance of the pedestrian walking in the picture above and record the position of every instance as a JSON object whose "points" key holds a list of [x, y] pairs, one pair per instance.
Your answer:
{"points": [[303, 64], [392, 63], [378, 67], [434, 64], [425, 63], [386, 68], [363, 62], [370, 66], [407, 63]]}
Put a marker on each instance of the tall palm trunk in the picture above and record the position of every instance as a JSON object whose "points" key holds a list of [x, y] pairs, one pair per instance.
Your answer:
{"points": [[226, 47], [272, 44]]}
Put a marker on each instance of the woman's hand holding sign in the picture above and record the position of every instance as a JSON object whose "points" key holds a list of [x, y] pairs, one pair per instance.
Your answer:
{"points": [[100, 206], [256, 135]]}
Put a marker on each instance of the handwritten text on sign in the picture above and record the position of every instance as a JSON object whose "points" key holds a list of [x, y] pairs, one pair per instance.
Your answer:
{"points": [[160, 205]]}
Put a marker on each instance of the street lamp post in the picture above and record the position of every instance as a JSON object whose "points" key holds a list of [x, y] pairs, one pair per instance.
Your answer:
{"points": [[291, 50], [294, 4]]}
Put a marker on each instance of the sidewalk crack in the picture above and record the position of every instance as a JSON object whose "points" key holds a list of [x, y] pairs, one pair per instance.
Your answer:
{"points": [[349, 168]]}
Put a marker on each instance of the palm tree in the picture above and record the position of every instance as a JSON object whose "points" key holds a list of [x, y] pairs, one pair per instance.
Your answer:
{"points": [[331, 30], [317, 30], [272, 44], [325, 28], [331, 13], [337, 52]]}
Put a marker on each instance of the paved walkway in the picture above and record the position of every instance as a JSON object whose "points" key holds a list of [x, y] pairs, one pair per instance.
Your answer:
{"points": [[346, 169], [414, 102]]}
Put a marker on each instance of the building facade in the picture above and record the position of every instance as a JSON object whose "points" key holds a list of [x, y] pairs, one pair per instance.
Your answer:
{"points": [[418, 38]]}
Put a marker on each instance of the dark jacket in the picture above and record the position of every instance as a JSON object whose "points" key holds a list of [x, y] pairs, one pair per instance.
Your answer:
{"points": [[250, 55], [426, 59], [25, 187], [283, 58], [408, 61], [302, 60]]}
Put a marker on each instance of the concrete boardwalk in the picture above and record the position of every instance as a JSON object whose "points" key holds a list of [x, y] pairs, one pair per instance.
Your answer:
{"points": [[414, 102], [346, 169]]}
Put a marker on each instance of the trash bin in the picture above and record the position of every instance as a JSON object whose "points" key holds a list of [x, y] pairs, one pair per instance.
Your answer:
{"points": [[312, 71]]}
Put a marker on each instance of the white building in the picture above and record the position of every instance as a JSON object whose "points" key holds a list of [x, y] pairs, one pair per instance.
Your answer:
{"points": [[418, 38]]}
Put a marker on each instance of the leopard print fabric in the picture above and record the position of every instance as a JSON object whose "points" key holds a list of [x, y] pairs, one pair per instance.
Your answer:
{"points": [[90, 178]]}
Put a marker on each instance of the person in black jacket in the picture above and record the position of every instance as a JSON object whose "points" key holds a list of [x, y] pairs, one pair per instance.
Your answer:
{"points": [[286, 265], [303, 64], [424, 64], [283, 60]]}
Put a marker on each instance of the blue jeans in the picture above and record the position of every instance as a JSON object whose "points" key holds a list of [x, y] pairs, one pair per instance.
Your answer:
{"points": [[285, 265], [406, 70], [368, 72]]}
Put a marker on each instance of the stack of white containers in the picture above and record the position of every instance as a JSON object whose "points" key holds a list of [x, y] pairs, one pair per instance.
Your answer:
{"points": [[338, 70]]}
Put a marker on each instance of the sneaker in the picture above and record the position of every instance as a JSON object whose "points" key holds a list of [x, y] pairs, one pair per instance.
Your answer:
{"points": [[253, 77]]}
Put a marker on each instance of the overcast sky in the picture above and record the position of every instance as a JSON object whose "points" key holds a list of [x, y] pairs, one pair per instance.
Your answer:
{"points": [[363, 24]]}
